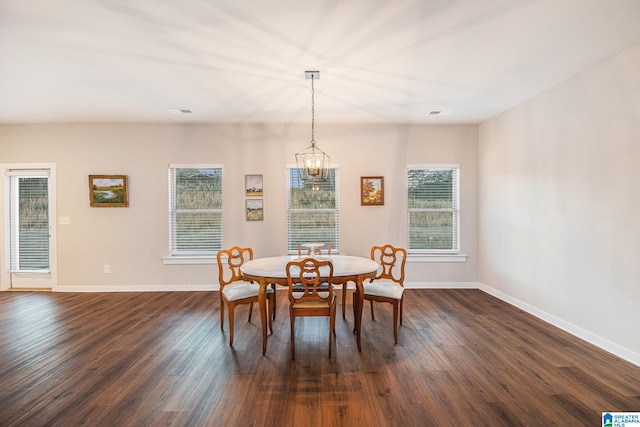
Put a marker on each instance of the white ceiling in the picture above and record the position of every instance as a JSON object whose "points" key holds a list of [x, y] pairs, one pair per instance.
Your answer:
{"points": [[244, 60]]}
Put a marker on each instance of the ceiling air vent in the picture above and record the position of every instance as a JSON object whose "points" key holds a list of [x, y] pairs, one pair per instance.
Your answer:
{"points": [[179, 111]]}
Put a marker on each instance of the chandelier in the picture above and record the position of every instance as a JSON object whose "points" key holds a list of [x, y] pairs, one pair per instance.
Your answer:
{"points": [[312, 162]]}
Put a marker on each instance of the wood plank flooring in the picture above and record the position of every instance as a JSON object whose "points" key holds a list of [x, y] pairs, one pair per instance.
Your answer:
{"points": [[150, 359]]}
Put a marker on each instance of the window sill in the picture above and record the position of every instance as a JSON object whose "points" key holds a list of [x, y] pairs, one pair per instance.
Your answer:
{"points": [[189, 260], [437, 258], [31, 273]]}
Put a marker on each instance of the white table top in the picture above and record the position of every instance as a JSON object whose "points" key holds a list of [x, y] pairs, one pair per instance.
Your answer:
{"points": [[275, 267]]}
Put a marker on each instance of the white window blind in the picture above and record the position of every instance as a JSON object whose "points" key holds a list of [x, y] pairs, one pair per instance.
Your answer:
{"points": [[433, 208], [27, 222], [195, 209], [313, 210]]}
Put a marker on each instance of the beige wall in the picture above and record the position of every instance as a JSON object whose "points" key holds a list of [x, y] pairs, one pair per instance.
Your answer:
{"points": [[134, 240], [559, 212]]}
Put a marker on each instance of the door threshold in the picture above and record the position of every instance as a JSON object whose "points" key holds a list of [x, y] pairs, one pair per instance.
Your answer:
{"points": [[30, 289]]}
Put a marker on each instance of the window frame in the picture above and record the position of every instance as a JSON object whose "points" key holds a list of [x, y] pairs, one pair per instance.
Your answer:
{"points": [[455, 210], [292, 246]]}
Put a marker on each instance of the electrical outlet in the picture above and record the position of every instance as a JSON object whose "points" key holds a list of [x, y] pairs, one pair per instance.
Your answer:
{"points": [[107, 268]]}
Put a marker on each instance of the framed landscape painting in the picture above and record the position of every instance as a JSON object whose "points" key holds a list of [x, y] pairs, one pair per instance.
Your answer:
{"points": [[255, 210], [253, 185], [108, 191], [371, 190]]}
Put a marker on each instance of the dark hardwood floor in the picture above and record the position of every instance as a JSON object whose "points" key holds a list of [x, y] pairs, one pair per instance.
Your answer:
{"points": [[151, 359]]}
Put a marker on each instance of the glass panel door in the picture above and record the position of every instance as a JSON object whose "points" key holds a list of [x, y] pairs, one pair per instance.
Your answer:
{"points": [[28, 228]]}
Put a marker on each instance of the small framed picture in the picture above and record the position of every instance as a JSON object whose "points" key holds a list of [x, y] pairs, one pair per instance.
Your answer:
{"points": [[371, 190], [253, 185], [254, 210], [108, 191]]}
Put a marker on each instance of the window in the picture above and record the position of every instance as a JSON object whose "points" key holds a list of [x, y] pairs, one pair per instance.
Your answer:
{"points": [[433, 209], [195, 209], [313, 210]]}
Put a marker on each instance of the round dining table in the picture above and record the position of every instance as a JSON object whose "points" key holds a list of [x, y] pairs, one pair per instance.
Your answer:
{"points": [[346, 269]]}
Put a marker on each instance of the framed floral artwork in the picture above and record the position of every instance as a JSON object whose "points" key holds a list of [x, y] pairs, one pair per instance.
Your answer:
{"points": [[371, 190]]}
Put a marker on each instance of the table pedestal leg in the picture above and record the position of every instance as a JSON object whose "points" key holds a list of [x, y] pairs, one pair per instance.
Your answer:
{"points": [[358, 302], [262, 302]]}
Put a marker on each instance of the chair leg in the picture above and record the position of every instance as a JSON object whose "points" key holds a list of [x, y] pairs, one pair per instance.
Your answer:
{"points": [[293, 348], [250, 311], [271, 299], [395, 321], [373, 317], [333, 322], [353, 300], [330, 337], [401, 305], [273, 314], [221, 313], [231, 323], [344, 300]]}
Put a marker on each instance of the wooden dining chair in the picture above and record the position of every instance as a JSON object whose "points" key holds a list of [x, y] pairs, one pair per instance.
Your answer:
{"points": [[388, 285], [311, 294], [314, 249], [234, 290]]}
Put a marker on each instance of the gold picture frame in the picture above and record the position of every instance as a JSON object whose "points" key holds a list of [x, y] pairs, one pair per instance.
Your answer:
{"points": [[108, 191], [372, 190]]}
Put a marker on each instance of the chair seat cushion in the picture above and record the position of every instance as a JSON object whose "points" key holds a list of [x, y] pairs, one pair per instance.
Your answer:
{"points": [[311, 304], [239, 290], [383, 288]]}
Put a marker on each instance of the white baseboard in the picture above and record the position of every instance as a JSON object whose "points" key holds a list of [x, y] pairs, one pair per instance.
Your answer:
{"points": [[429, 285], [594, 339], [138, 288], [441, 285], [216, 287]]}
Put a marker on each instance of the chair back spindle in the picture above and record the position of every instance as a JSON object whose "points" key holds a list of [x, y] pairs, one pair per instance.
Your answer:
{"points": [[230, 268], [392, 261]]}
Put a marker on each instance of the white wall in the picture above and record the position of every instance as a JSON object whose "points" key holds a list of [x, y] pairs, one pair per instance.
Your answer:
{"points": [[559, 212], [134, 240]]}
